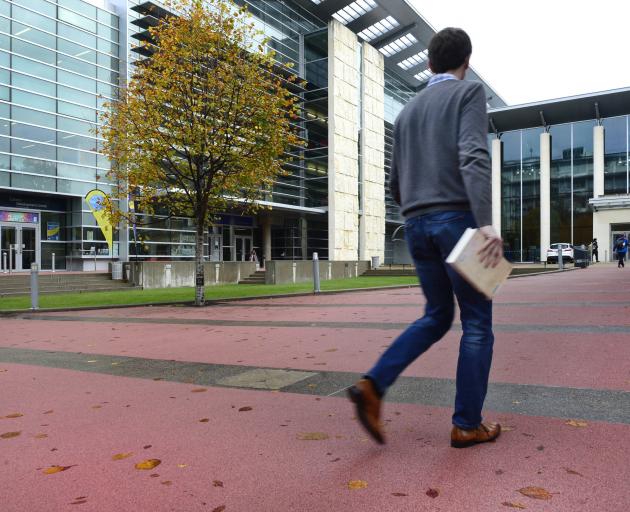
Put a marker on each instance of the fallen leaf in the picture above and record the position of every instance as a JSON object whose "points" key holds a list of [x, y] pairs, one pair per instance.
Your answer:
{"points": [[97, 406], [576, 423], [433, 493], [78, 502], [245, 409], [572, 472], [331, 350], [14, 415], [166, 482], [217, 483], [512, 504], [540, 448], [148, 464], [354, 485], [154, 475], [399, 494], [121, 456], [9, 435], [198, 390], [204, 420], [219, 509], [41, 436], [182, 465], [48, 412], [56, 469], [537, 493], [312, 436], [507, 429]]}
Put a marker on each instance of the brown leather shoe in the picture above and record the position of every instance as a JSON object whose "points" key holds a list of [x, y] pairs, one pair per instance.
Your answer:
{"points": [[484, 433], [368, 403]]}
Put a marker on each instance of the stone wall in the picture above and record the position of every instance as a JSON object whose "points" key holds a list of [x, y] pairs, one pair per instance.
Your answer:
{"points": [[373, 154], [343, 154], [286, 272]]}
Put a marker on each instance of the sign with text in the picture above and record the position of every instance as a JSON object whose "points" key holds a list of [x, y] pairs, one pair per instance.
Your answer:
{"points": [[23, 217]]}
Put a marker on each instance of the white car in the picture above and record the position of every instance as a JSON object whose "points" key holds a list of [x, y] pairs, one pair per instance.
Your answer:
{"points": [[567, 252]]}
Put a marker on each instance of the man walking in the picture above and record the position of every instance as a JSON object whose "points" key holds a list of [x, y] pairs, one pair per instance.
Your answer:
{"points": [[622, 248], [441, 178], [595, 248]]}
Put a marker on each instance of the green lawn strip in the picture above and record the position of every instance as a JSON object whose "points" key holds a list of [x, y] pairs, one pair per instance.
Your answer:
{"points": [[229, 291]]}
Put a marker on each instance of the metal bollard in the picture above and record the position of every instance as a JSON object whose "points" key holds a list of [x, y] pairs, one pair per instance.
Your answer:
{"points": [[560, 260], [316, 282], [53, 261], [4, 262], [34, 286]]}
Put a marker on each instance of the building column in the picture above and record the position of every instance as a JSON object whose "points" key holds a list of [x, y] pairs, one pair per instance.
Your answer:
{"points": [[545, 194], [598, 161], [497, 161], [266, 225], [372, 163], [343, 151]]}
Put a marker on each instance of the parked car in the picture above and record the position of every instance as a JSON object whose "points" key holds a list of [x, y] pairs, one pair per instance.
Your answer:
{"points": [[567, 253]]}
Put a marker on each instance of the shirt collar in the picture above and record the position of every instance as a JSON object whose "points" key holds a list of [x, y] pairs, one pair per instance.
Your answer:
{"points": [[441, 77]]}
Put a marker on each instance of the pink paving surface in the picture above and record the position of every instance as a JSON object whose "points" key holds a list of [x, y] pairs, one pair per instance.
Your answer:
{"points": [[257, 455], [522, 357], [263, 466]]}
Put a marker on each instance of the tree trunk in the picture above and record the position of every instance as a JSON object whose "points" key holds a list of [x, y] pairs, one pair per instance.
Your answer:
{"points": [[199, 260]]}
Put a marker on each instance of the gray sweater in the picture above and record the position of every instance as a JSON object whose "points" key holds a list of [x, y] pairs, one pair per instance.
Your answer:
{"points": [[440, 157]]}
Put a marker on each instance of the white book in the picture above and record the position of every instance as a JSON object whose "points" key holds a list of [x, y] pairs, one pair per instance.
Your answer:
{"points": [[464, 258]]}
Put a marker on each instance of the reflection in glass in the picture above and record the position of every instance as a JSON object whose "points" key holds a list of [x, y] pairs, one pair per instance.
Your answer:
{"points": [[616, 155]]}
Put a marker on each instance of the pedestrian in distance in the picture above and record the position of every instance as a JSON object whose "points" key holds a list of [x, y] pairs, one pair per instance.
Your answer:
{"points": [[621, 247], [441, 178], [595, 251]]}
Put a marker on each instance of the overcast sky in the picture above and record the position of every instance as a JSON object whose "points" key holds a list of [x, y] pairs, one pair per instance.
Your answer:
{"points": [[541, 49]]}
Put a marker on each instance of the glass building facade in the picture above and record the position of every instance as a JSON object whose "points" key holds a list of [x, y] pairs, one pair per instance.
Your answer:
{"points": [[59, 62]]}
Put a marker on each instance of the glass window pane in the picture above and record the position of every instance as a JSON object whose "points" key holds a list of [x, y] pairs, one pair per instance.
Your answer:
{"points": [[77, 35], [4, 144], [77, 20], [26, 131], [80, 82], [33, 35], [75, 50], [32, 165], [511, 195], [5, 178], [23, 147], [40, 6], [531, 194], [5, 93], [32, 182], [615, 160], [582, 182], [76, 141], [107, 18], [76, 111], [76, 172], [5, 59], [5, 25], [5, 162], [84, 98], [5, 8], [5, 127], [72, 64], [33, 100], [107, 47], [33, 68], [33, 84], [32, 116], [4, 110], [79, 6], [107, 61], [74, 126], [74, 187], [34, 52], [74, 156], [561, 183], [33, 19], [107, 32], [107, 76]]}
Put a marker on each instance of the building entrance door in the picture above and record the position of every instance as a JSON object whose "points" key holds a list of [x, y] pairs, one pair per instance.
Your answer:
{"points": [[244, 246], [18, 247]]}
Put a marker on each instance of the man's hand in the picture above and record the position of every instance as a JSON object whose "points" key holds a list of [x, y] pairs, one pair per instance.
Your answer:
{"points": [[492, 251]]}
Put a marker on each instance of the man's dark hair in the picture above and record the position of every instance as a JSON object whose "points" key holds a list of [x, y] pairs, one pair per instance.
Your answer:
{"points": [[448, 49]]}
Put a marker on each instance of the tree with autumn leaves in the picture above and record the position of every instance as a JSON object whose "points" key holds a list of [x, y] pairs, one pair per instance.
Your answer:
{"points": [[205, 122]]}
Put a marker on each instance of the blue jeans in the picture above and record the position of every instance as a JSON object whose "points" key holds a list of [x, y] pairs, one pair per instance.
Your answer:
{"points": [[430, 239]]}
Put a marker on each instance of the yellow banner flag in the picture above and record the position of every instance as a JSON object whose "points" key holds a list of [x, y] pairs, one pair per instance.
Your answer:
{"points": [[95, 199]]}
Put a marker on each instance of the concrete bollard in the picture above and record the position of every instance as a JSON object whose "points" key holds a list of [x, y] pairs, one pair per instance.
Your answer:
{"points": [[4, 262], [316, 282], [167, 275], [560, 259], [53, 261], [34, 286]]}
